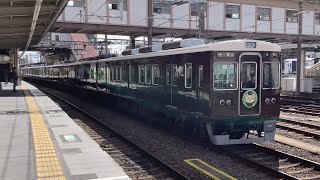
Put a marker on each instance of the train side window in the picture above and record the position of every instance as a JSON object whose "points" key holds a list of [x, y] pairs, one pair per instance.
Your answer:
{"points": [[132, 75], [141, 74], [123, 73], [225, 76], [118, 73], [188, 75], [169, 71], [175, 74], [155, 74], [201, 80], [148, 71], [168, 74]]}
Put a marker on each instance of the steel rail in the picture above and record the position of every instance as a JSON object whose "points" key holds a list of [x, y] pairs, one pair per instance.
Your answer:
{"points": [[236, 153], [300, 131]]}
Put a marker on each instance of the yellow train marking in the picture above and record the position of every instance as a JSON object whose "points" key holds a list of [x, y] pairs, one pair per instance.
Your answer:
{"points": [[47, 163], [208, 169]]}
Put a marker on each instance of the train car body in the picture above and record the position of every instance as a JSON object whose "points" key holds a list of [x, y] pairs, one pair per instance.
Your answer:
{"points": [[230, 89], [290, 65]]}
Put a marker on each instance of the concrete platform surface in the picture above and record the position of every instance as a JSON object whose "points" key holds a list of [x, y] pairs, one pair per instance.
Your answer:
{"points": [[38, 140]]}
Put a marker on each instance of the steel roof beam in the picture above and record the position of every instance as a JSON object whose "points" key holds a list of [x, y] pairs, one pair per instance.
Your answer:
{"points": [[25, 11]]}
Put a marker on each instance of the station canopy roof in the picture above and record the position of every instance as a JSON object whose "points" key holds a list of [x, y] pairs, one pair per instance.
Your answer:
{"points": [[25, 22]]}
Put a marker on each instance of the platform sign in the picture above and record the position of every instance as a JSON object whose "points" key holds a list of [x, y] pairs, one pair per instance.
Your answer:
{"points": [[70, 138], [4, 59]]}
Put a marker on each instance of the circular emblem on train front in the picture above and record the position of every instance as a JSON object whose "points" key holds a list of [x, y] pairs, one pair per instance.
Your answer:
{"points": [[249, 99]]}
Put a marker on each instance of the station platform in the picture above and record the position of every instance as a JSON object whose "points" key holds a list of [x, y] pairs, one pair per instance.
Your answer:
{"points": [[38, 140]]}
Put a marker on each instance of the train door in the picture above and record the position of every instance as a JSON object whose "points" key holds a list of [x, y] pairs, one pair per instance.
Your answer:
{"points": [[250, 84]]}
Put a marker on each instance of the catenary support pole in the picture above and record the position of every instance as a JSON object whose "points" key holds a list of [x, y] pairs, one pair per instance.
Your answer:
{"points": [[133, 42], [299, 49], [150, 21]]}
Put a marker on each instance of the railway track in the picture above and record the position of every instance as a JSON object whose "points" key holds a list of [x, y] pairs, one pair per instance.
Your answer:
{"points": [[306, 109], [280, 164], [283, 166], [300, 127], [135, 161], [300, 105]]}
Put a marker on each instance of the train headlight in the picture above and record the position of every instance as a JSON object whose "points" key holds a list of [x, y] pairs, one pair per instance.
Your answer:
{"points": [[221, 102], [267, 100], [273, 100], [228, 102]]}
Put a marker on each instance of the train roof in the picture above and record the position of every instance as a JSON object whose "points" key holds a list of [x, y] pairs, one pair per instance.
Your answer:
{"points": [[232, 45]]}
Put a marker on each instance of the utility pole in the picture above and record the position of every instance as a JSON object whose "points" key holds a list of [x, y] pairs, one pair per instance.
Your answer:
{"points": [[106, 44], [201, 26], [299, 48], [150, 21], [121, 9]]}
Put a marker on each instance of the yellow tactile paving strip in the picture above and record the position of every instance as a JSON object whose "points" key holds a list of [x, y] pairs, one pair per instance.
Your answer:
{"points": [[47, 163]]}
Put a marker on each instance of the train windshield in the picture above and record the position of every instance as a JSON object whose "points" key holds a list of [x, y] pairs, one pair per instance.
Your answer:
{"points": [[271, 75], [225, 76]]}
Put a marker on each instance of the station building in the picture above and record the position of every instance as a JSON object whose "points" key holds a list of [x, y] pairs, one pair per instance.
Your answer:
{"points": [[222, 17]]}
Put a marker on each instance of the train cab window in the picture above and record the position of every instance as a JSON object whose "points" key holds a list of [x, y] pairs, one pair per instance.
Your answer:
{"points": [[148, 74], [225, 76], [201, 80], [249, 75], [188, 75], [271, 75], [155, 74], [141, 74]]}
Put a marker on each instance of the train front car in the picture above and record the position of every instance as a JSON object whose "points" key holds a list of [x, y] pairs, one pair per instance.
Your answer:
{"points": [[246, 92]]}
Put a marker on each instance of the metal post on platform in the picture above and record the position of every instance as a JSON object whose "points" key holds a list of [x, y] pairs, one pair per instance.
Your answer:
{"points": [[150, 21], [16, 64], [106, 45], [299, 48], [133, 42]]}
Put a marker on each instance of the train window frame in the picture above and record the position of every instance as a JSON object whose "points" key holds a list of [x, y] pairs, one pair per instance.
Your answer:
{"points": [[141, 82], [236, 64], [232, 11], [185, 76], [168, 76], [172, 74], [132, 74], [279, 74], [153, 74], [256, 73], [146, 76], [292, 16], [263, 14], [317, 18], [115, 5], [200, 76]]}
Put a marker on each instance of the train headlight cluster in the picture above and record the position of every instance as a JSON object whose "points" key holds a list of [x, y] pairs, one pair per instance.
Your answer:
{"points": [[223, 102], [268, 101]]}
